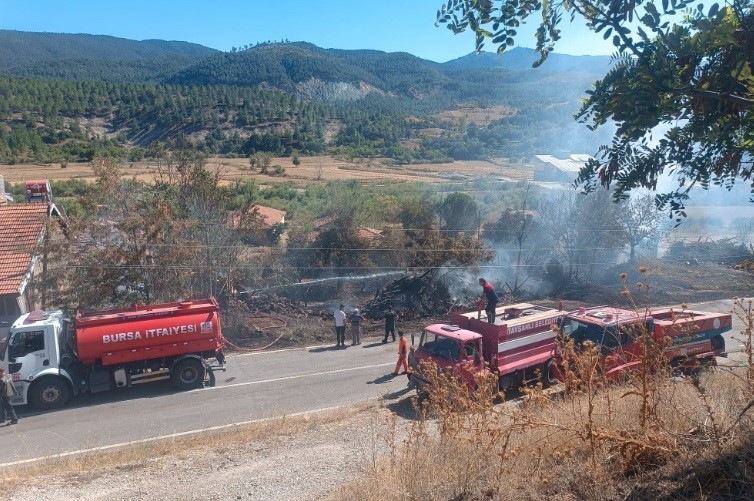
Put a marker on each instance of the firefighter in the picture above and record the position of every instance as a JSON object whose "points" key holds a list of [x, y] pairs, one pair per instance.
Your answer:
{"points": [[488, 292], [402, 354]]}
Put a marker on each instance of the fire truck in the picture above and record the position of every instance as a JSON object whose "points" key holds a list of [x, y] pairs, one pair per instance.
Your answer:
{"points": [[518, 347], [688, 339], [51, 359]]}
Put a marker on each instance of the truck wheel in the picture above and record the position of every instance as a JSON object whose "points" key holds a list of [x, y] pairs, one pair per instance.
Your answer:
{"points": [[548, 374], [49, 393], [188, 374]]}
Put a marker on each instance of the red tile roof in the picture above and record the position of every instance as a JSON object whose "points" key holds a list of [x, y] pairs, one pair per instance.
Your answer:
{"points": [[369, 233], [268, 215], [20, 229]]}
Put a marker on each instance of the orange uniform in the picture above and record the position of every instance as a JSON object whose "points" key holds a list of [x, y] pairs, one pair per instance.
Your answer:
{"points": [[402, 356]]}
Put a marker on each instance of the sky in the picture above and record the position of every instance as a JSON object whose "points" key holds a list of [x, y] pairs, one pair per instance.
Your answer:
{"points": [[386, 25]]}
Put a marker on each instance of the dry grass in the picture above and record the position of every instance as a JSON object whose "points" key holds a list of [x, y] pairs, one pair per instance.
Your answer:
{"points": [[550, 448], [311, 169], [650, 437], [83, 468]]}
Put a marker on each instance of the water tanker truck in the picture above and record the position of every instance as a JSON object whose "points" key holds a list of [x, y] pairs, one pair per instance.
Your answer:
{"points": [[690, 338], [51, 360], [518, 347]]}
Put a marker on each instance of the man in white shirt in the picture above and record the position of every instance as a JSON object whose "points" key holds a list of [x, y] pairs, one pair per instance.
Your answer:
{"points": [[340, 327]]}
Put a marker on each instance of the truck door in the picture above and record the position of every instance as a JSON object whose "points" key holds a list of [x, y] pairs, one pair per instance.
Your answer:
{"points": [[470, 361], [28, 352]]}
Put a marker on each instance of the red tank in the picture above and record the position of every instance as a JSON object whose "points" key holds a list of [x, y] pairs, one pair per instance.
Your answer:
{"points": [[38, 187], [124, 335]]}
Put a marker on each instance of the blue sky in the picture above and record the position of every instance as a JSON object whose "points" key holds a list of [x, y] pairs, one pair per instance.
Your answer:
{"points": [[387, 25]]}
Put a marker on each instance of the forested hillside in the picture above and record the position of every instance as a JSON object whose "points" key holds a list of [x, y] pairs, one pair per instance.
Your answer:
{"points": [[87, 95], [93, 57]]}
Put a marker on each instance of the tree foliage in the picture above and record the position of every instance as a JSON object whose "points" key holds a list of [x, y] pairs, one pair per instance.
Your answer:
{"points": [[681, 88], [460, 213]]}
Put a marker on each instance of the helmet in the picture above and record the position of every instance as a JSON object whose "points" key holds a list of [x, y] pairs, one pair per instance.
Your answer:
{"points": [[356, 310]]}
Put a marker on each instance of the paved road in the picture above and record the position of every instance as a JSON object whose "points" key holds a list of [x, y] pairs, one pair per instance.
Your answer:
{"points": [[255, 386]]}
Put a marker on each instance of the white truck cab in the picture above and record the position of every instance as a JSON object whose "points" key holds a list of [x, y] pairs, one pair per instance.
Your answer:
{"points": [[32, 356]]}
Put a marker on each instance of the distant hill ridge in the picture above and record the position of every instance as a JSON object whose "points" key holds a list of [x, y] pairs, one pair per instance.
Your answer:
{"points": [[95, 57], [286, 66]]}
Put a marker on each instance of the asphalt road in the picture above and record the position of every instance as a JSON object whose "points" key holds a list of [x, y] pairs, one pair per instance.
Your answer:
{"points": [[254, 387]]}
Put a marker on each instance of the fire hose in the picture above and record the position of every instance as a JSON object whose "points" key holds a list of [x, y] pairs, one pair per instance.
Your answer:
{"points": [[283, 323]]}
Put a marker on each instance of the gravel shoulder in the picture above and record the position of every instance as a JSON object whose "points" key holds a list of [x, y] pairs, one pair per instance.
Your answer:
{"points": [[305, 457]]}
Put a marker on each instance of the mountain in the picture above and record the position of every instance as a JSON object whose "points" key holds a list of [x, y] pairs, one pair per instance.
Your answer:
{"points": [[521, 59], [294, 66], [93, 57], [85, 95], [298, 68]]}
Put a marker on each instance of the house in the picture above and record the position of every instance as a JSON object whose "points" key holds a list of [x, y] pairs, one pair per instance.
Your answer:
{"points": [[260, 225], [268, 216], [551, 169], [22, 232], [369, 234]]}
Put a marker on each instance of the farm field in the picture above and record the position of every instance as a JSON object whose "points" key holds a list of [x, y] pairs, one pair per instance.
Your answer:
{"points": [[311, 169]]}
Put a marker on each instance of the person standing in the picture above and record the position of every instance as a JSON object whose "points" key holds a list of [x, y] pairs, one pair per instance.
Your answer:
{"points": [[356, 318], [390, 318], [340, 327], [6, 392], [402, 354], [488, 291]]}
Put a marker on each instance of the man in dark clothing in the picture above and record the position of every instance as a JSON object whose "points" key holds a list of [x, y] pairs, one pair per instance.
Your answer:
{"points": [[356, 318], [390, 317], [6, 392], [488, 291]]}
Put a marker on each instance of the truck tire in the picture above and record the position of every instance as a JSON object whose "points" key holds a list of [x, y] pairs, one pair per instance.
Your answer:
{"points": [[49, 392], [548, 374], [188, 374]]}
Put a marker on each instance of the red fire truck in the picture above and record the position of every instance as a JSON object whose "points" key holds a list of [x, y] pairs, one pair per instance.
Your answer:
{"points": [[689, 338], [518, 346], [50, 360]]}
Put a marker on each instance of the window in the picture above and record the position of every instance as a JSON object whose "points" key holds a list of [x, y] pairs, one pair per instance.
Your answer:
{"points": [[443, 347], [23, 343], [607, 338]]}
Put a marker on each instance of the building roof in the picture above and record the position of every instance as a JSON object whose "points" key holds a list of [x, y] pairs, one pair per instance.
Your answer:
{"points": [[369, 233], [21, 228], [573, 163], [268, 215]]}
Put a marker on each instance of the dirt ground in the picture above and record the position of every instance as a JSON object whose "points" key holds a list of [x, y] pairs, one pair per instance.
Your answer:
{"points": [[311, 169]]}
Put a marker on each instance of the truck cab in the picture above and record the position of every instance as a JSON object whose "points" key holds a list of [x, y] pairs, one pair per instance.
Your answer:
{"points": [[32, 357], [449, 347]]}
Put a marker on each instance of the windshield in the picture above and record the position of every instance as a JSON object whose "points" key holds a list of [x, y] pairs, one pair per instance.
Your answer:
{"points": [[23, 343], [441, 346], [608, 338]]}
